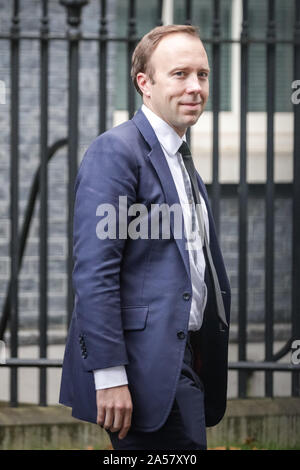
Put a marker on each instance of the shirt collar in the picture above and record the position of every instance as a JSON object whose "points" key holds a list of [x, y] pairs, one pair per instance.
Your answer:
{"points": [[166, 135]]}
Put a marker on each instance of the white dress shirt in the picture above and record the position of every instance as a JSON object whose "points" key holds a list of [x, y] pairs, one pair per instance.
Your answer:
{"points": [[170, 143]]}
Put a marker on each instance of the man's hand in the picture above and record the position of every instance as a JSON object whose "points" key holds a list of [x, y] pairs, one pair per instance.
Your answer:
{"points": [[114, 407]]}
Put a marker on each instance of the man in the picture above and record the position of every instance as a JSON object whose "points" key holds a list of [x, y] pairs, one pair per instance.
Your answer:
{"points": [[146, 355]]}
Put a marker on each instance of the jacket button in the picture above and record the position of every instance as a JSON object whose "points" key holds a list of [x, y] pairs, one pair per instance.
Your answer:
{"points": [[181, 334], [186, 296]]}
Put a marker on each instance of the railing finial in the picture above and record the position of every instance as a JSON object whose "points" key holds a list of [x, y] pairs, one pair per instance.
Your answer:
{"points": [[74, 16]]}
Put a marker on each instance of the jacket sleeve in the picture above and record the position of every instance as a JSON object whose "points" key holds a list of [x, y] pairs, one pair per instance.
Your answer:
{"points": [[108, 170]]}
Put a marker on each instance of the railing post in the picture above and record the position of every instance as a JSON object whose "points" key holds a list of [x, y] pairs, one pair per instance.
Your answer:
{"points": [[188, 21], [102, 68], [243, 207], [131, 46], [216, 109], [43, 184], [296, 203], [188, 12], [73, 8], [269, 201], [14, 198], [159, 21]]}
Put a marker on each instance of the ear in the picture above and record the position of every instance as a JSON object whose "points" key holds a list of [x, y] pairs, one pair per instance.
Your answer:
{"points": [[143, 82]]}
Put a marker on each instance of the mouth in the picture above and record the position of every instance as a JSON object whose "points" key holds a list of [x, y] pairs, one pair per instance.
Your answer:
{"points": [[191, 105]]}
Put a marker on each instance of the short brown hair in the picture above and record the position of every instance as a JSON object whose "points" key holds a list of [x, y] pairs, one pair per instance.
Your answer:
{"points": [[147, 45]]}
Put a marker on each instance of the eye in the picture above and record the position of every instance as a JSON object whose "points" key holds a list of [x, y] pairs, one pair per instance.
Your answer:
{"points": [[203, 74], [179, 73]]}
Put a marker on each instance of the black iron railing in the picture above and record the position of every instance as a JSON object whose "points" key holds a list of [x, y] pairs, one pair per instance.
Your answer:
{"points": [[243, 191]]}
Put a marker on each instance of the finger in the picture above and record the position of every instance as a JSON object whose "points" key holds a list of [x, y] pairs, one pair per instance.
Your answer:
{"points": [[118, 420], [101, 416], [126, 424], [109, 418]]}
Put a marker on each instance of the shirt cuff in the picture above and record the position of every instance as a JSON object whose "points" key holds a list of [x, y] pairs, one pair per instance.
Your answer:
{"points": [[110, 377]]}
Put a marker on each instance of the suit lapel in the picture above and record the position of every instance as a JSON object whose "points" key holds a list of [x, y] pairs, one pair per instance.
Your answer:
{"points": [[160, 164]]}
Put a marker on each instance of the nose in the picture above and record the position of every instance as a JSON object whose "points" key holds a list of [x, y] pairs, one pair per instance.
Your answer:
{"points": [[193, 85]]}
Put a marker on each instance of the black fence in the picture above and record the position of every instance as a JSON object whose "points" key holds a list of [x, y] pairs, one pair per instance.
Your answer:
{"points": [[242, 191]]}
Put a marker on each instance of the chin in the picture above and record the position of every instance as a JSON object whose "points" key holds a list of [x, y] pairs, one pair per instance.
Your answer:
{"points": [[191, 121]]}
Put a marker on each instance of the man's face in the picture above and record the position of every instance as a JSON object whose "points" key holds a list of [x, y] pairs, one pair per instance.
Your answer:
{"points": [[179, 90]]}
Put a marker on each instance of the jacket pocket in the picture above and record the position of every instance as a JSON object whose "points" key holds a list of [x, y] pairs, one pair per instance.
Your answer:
{"points": [[134, 318]]}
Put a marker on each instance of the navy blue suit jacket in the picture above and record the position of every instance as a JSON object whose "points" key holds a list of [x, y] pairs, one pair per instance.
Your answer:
{"points": [[133, 296]]}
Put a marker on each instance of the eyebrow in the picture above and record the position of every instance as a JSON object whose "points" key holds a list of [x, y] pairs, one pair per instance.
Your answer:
{"points": [[202, 69]]}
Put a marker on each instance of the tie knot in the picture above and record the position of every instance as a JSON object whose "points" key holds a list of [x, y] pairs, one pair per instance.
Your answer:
{"points": [[184, 150]]}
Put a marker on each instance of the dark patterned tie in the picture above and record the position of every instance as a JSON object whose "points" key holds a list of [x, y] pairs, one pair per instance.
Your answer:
{"points": [[190, 167]]}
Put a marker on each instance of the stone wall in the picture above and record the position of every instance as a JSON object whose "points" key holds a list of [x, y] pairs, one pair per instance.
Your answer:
{"points": [[264, 423]]}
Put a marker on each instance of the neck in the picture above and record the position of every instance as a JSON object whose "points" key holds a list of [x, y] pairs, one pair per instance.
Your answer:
{"points": [[180, 132]]}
